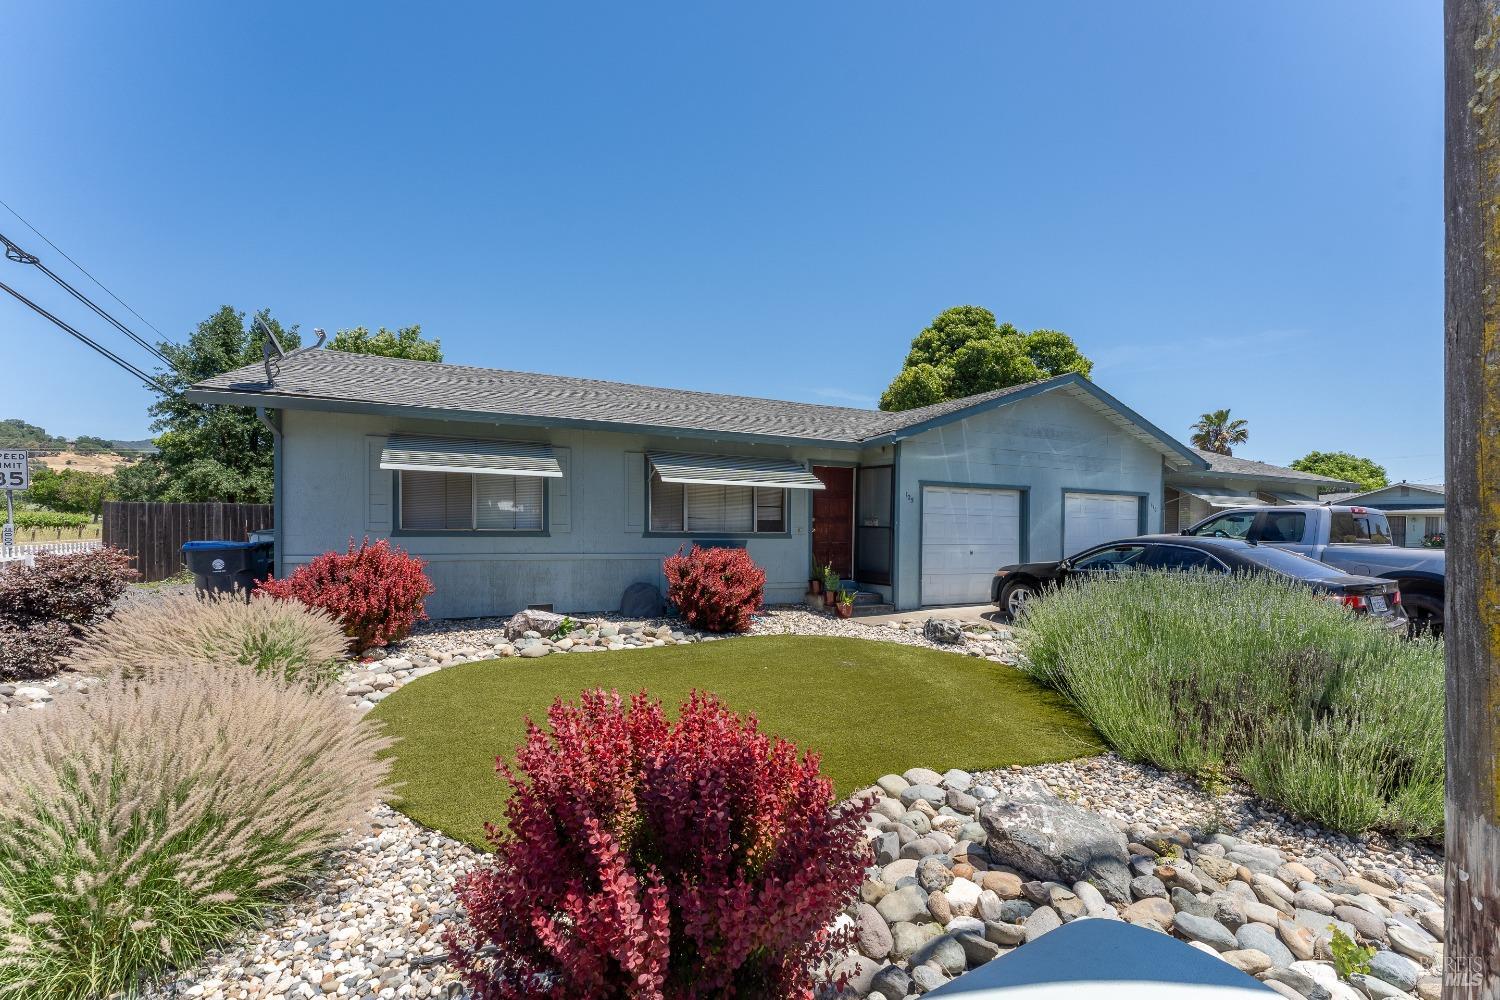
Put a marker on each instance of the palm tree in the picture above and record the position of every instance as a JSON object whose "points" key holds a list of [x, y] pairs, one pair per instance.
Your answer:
{"points": [[1216, 432]]}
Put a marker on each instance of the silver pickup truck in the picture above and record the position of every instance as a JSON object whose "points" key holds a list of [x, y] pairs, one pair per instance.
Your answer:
{"points": [[1355, 539]]}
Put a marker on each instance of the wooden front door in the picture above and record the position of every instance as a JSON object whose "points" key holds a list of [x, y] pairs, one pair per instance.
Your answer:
{"points": [[833, 519]]}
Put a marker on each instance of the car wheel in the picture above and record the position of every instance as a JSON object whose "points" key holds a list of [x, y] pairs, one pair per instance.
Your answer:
{"points": [[1014, 598], [1425, 612]]}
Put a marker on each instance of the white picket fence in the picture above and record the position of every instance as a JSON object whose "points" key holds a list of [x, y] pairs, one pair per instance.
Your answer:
{"points": [[27, 553]]}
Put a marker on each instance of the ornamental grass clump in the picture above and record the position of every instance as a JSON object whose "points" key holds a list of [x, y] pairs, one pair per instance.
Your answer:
{"points": [[650, 859], [283, 638], [1319, 710], [149, 821]]}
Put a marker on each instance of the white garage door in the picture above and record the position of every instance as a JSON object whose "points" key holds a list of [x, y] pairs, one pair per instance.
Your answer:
{"points": [[967, 534], [1095, 518]]}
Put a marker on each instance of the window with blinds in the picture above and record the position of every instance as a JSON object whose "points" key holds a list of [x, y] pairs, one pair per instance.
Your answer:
{"points": [[716, 510], [459, 501]]}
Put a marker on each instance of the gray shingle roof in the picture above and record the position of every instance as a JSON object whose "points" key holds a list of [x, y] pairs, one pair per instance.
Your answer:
{"points": [[336, 376], [1342, 497], [1228, 465], [335, 380]]}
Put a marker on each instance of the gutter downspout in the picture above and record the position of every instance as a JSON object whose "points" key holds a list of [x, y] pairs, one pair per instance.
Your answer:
{"points": [[273, 424]]}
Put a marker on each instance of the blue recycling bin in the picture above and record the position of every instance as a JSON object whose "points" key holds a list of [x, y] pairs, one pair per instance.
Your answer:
{"points": [[223, 567]]}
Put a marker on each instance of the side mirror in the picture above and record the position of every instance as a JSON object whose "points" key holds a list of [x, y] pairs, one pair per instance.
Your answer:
{"points": [[1186, 531]]}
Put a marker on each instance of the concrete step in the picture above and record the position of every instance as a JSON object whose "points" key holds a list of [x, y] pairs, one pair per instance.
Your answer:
{"points": [[868, 610]]}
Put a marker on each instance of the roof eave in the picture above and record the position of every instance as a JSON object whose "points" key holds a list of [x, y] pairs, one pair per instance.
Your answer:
{"points": [[1170, 446], [326, 404], [1316, 481]]}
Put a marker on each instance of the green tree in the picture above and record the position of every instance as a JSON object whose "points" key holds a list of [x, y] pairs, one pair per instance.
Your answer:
{"points": [[17, 433], [964, 352], [1218, 432], [207, 453], [406, 342], [87, 444], [1363, 472], [71, 491]]}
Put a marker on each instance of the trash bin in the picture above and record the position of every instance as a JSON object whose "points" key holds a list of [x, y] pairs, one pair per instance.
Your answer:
{"points": [[222, 567]]}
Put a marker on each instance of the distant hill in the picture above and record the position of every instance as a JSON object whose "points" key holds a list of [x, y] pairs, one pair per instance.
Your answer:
{"points": [[20, 434], [17, 433], [103, 462]]}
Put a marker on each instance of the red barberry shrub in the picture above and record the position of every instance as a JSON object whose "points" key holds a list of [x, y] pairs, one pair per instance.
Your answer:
{"points": [[656, 860], [44, 608], [716, 590], [375, 591]]}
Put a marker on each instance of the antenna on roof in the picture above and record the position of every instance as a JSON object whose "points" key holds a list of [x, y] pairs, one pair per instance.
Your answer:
{"points": [[273, 353]]}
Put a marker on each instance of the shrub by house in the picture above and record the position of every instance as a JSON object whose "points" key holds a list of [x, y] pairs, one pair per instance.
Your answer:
{"points": [[375, 592], [715, 589], [646, 858]]}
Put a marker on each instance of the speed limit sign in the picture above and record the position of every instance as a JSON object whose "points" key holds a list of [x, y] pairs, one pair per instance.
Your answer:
{"points": [[15, 471]]}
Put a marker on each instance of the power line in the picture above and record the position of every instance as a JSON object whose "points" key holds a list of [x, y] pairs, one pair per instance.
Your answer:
{"points": [[147, 380], [80, 267], [15, 253]]}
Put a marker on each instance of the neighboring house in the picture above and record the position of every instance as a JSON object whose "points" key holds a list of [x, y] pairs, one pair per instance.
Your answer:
{"points": [[522, 489], [1417, 511], [1237, 482]]}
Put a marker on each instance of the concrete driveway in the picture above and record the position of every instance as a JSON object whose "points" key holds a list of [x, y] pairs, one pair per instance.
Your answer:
{"points": [[986, 613]]}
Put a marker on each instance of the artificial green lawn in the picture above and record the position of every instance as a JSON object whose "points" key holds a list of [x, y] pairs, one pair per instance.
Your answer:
{"points": [[869, 708]]}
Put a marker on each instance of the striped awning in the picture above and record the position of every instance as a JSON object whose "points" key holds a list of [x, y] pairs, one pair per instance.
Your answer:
{"points": [[420, 453], [1214, 499], [732, 470]]}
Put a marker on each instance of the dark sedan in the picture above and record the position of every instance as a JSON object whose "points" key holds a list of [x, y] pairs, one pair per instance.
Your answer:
{"points": [[1014, 586]]}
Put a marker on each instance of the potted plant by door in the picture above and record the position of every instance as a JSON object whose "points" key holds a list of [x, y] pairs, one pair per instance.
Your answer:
{"points": [[830, 586], [845, 607], [815, 579]]}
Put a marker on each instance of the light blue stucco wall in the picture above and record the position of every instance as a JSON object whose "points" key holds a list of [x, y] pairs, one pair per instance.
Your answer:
{"points": [[1046, 443], [333, 489]]}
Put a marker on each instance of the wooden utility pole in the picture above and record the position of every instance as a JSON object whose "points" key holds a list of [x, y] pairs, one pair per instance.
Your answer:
{"points": [[1471, 31]]}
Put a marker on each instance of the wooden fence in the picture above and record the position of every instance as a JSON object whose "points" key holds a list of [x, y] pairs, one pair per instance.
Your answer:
{"points": [[153, 533]]}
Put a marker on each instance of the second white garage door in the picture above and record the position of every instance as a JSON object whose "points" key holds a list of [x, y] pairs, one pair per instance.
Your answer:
{"points": [[1095, 518], [967, 534]]}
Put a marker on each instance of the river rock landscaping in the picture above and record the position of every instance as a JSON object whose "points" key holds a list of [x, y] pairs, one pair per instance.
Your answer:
{"points": [[969, 867]]}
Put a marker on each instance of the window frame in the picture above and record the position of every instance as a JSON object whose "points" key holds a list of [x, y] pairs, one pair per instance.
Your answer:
{"points": [[1158, 547], [652, 476], [399, 530], [1100, 550], [1196, 531]]}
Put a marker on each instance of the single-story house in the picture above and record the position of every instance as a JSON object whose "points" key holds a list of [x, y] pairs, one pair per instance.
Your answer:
{"points": [[524, 489], [1193, 494], [1417, 511]]}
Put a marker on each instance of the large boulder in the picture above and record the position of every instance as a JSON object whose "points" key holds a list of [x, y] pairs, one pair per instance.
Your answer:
{"points": [[641, 600], [1048, 839], [941, 630], [543, 623]]}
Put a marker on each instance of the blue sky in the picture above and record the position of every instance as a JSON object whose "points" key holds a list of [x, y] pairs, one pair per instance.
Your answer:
{"points": [[1224, 205]]}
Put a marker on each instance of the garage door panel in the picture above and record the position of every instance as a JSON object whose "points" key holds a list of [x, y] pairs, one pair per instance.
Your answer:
{"points": [[967, 533], [1091, 519]]}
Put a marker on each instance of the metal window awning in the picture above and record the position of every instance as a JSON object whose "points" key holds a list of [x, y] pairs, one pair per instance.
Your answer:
{"points": [[421, 453], [732, 470], [1292, 497], [1216, 499]]}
